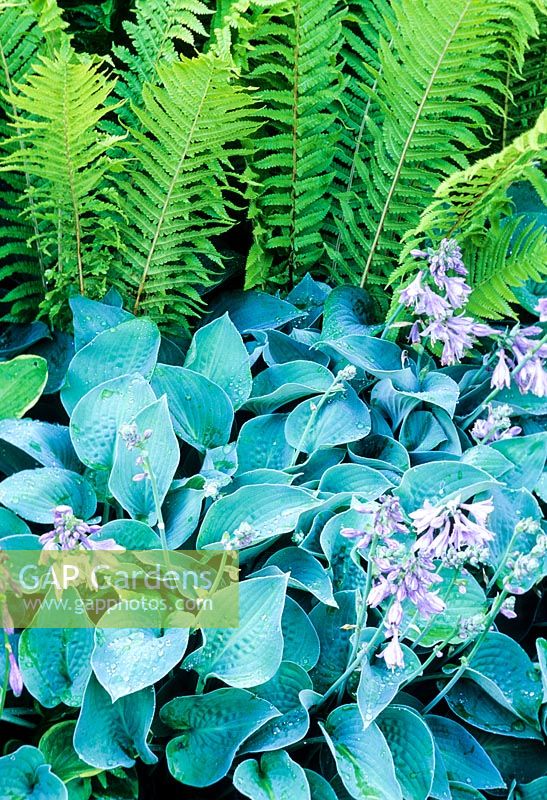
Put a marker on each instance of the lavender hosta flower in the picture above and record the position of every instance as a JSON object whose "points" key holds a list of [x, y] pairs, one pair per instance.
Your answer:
{"points": [[385, 519], [445, 527], [69, 532], [496, 426], [508, 608], [393, 654], [243, 536], [501, 377], [457, 335], [457, 291], [410, 295], [131, 436], [432, 305], [15, 678], [541, 308], [448, 256], [532, 377], [406, 575]]}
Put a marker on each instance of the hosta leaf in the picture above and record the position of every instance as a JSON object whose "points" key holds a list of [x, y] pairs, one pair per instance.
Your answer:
{"points": [[22, 381], [57, 747], [255, 311], [319, 787], [357, 479], [377, 356], [126, 660], [91, 317], [347, 311], [535, 790], [129, 534], [130, 347], [99, 415], [55, 663], [25, 774], [111, 734], [251, 653], [528, 455], [465, 760], [439, 482], [411, 745], [541, 646], [378, 684], [333, 638], [342, 418], [473, 705], [215, 723], [270, 510], [181, 513], [34, 493], [284, 383], [300, 640], [358, 755], [137, 497], [305, 572], [217, 351], [261, 444], [277, 776], [202, 412]]}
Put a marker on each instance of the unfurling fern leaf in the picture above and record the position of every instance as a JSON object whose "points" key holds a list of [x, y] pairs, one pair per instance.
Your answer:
{"points": [[441, 74], [26, 28], [293, 60], [474, 205], [159, 26], [190, 128], [65, 159]]}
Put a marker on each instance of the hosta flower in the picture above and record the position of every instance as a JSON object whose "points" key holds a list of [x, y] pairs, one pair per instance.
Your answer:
{"points": [[393, 654], [446, 526], [447, 257], [457, 291], [496, 426], [501, 377], [406, 575], [385, 519], [432, 305], [15, 678], [243, 536], [412, 293], [541, 308], [70, 532], [532, 377], [508, 608], [131, 436]]}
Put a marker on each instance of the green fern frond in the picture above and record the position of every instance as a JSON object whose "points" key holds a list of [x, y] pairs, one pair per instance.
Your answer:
{"points": [[178, 196], [26, 28], [293, 60], [442, 72], [157, 30], [58, 111], [504, 258]]}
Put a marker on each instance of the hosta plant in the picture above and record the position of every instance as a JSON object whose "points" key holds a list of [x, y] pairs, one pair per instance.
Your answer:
{"points": [[386, 506]]}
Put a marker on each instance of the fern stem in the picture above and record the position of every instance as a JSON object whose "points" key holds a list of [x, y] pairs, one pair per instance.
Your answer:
{"points": [[292, 234], [406, 146], [167, 200], [506, 100], [74, 199]]}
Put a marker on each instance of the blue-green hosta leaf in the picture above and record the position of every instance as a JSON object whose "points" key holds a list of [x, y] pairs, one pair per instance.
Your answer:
{"points": [[347, 310], [359, 754], [137, 497], [258, 477], [11, 524], [439, 482], [22, 381], [24, 775], [129, 534], [528, 455], [270, 509], [347, 573], [357, 479], [502, 669], [378, 684], [277, 776], [380, 452], [473, 705], [126, 660], [58, 750], [320, 789], [283, 383], [342, 418], [522, 760], [288, 691], [16, 338], [91, 317], [461, 791], [255, 311], [489, 460], [202, 412], [217, 351], [99, 415], [55, 663], [300, 639], [333, 638], [541, 645], [212, 726], [522, 403], [181, 512], [426, 431], [251, 653], [440, 789], [130, 347], [110, 735], [261, 444], [378, 356], [34, 493], [305, 572], [58, 352], [535, 790], [27, 443], [412, 748], [464, 758], [281, 349]]}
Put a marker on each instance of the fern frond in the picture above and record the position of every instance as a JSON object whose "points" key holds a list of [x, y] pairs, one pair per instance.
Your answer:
{"points": [[504, 258], [58, 111], [26, 28], [293, 59], [159, 27], [178, 198], [441, 75]]}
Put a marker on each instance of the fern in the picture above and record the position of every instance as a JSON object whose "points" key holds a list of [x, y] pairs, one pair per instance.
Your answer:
{"points": [[293, 60], [158, 28], [65, 159], [26, 28], [441, 73], [190, 128], [475, 206]]}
